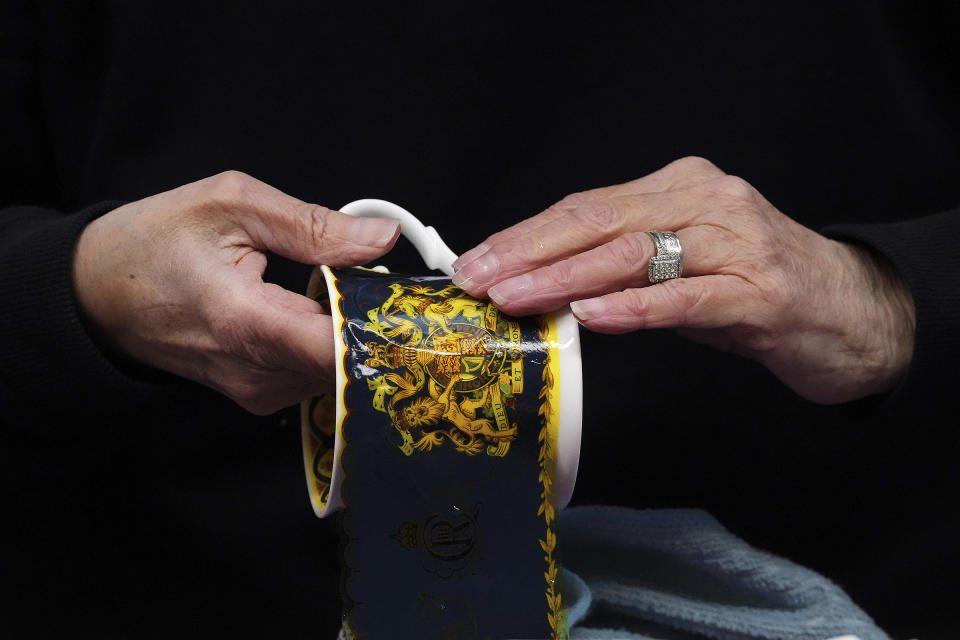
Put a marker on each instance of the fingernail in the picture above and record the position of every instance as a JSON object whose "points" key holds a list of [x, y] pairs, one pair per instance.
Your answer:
{"points": [[588, 309], [374, 232], [460, 280], [511, 290], [470, 256], [478, 271]]}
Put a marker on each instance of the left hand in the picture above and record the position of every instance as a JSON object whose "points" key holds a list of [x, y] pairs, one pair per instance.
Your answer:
{"points": [[175, 281], [829, 319]]}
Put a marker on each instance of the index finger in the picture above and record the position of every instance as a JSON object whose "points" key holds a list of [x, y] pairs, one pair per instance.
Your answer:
{"points": [[679, 174], [572, 226]]}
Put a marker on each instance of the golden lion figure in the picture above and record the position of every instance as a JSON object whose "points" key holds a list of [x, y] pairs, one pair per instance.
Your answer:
{"points": [[433, 367], [418, 301], [469, 433]]}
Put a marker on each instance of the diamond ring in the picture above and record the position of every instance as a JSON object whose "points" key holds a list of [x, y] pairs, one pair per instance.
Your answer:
{"points": [[668, 263]]}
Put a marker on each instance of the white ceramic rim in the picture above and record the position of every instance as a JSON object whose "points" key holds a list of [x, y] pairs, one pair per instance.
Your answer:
{"points": [[570, 427], [334, 499]]}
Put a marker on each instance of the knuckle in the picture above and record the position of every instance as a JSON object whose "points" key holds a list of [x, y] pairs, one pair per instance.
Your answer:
{"points": [[565, 207], [733, 187], [318, 218], [571, 201], [694, 301], [600, 215], [695, 165], [560, 276], [230, 187], [232, 182], [628, 250], [519, 253], [634, 304]]}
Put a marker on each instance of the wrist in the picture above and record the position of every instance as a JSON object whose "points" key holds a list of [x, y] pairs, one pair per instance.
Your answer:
{"points": [[93, 285], [886, 317]]}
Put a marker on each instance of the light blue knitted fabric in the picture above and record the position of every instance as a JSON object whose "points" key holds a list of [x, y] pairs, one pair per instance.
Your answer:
{"points": [[677, 574]]}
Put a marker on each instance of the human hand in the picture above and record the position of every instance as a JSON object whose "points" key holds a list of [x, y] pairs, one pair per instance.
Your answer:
{"points": [[174, 281], [829, 319]]}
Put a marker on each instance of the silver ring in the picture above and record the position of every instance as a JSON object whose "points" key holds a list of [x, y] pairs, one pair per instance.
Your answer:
{"points": [[668, 263]]}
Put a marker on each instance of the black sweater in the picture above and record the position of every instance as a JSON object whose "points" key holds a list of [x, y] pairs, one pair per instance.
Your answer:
{"points": [[141, 505]]}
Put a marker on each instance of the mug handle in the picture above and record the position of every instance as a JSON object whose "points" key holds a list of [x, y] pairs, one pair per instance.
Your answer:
{"points": [[434, 251]]}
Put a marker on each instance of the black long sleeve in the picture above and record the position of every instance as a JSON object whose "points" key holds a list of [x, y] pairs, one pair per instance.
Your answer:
{"points": [[49, 364], [925, 252]]}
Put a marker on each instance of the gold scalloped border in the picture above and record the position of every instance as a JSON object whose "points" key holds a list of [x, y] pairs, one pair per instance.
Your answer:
{"points": [[549, 426]]}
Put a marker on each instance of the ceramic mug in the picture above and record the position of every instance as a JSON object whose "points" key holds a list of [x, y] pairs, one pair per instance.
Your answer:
{"points": [[322, 418]]}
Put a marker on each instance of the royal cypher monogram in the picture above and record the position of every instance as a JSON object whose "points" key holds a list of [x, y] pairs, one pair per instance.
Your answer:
{"points": [[456, 368]]}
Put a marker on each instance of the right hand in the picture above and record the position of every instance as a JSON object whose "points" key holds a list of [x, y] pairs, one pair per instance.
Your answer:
{"points": [[831, 320], [174, 281]]}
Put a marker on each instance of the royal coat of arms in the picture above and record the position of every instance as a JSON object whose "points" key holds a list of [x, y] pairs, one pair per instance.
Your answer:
{"points": [[452, 369]]}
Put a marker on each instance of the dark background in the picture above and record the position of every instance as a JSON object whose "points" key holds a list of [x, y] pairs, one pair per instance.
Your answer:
{"points": [[474, 117]]}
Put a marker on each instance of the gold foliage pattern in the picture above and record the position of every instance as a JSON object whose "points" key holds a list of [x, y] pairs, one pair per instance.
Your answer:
{"points": [[556, 615]]}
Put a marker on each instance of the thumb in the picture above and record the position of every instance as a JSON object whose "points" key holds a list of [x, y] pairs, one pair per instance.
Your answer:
{"points": [[305, 232]]}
